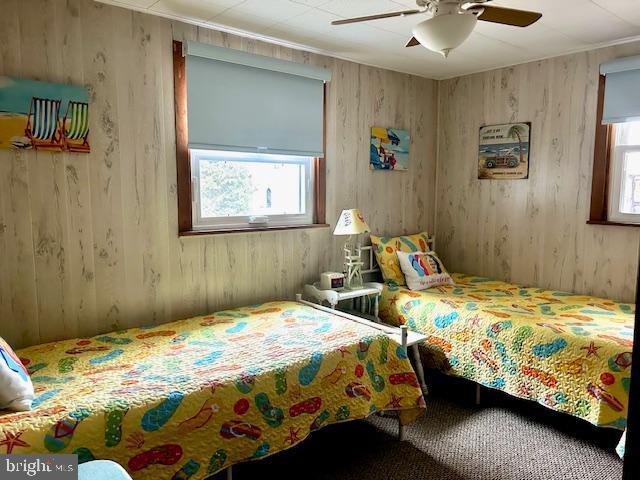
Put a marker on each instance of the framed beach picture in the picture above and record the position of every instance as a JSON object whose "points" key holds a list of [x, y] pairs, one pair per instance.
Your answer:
{"points": [[503, 151], [389, 149], [43, 116]]}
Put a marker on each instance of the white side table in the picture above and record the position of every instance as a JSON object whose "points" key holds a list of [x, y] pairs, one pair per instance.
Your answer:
{"points": [[372, 291], [369, 292]]}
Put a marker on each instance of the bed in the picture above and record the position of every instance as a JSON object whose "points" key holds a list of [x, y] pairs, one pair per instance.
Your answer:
{"points": [[571, 353], [189, 398]]}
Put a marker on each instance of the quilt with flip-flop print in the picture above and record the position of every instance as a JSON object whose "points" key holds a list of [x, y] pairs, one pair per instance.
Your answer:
{"points": [[569, 352], [189, 398]]}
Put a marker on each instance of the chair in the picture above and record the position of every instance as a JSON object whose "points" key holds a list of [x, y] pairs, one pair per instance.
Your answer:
{"points": [[43, 123], [76, 131]]}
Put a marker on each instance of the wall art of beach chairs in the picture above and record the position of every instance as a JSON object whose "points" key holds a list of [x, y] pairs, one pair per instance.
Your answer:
{"points": [[43, 116]]}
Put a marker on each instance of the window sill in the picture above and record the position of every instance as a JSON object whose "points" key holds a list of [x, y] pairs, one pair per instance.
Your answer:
{"points": [[223, 231], [615, 224]]}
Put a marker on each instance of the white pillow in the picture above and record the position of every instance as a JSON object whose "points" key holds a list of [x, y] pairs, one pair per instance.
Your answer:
{"points": [[16, 389], [423, 270]]}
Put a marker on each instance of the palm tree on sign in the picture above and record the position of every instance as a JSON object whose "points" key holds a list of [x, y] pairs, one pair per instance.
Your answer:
{"points": [[516, 132]]}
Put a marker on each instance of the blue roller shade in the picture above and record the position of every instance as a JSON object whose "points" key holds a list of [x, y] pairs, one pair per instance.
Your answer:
{"points": [[622, 90], [250, 103]]}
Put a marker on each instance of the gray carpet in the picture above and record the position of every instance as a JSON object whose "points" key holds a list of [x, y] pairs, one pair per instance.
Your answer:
{"points": [[503, 439]]}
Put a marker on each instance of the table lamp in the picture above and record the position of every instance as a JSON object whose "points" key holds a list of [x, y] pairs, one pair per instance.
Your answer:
{"points": [[352, 223]]}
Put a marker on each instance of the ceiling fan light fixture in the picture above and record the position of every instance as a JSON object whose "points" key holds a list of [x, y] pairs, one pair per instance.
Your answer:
{"points": [[443, 33]]}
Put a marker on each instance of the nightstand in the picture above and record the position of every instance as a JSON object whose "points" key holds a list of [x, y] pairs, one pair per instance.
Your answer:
{"points": [[364, 304], [364, 301]]}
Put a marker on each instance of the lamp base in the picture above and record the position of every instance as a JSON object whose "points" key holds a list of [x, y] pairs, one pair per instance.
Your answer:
{"points": [[352, 268], [355, 284]]}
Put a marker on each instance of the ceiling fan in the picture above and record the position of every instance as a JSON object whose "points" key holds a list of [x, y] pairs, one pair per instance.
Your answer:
{"points": [[452, 21]]}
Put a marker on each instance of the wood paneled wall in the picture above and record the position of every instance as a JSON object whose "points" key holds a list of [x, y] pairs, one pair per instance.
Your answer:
{"points": [[89, 242], [531, 231]]}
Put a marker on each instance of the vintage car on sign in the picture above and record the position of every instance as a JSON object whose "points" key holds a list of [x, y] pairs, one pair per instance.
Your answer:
{"points": [[504, 158]]}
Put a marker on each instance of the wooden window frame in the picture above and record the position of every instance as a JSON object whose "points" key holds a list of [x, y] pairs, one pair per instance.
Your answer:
{"points": [[183, 164], [602, 160]]}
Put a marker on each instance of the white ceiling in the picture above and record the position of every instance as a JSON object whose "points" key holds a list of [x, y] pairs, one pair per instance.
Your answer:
{"points": [[566, 26]]}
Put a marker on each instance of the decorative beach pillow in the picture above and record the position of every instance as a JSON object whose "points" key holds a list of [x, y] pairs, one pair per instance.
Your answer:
{"points": [[423, 270], [385, 249], [16, 389]]}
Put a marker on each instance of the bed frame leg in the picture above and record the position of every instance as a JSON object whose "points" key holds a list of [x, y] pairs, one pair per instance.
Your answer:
{"points": [[229, 473], [478, 391], [400, 431]]}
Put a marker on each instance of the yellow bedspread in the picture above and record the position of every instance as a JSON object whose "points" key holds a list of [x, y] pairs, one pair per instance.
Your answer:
{"points": [[569, 352], [188, 398]]}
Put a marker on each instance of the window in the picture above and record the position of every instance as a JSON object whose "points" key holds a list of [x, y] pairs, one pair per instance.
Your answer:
{"points": [[234, 189], [249, 141], [615, 187], [624, 188]]}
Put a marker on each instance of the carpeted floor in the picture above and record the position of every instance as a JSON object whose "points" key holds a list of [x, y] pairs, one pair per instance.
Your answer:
{"points": [[503, 439]]}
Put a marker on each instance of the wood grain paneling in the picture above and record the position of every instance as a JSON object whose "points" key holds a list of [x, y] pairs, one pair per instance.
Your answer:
{"points": [[531, 231], [89, 242]]}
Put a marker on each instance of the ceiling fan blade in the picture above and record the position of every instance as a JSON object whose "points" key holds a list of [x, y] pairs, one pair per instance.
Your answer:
{"points": [[413, 42], [376, 17], [506, 16]]}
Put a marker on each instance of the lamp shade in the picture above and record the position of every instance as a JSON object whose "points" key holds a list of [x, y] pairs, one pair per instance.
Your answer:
{"points": [[351, 222], [443, 33]]}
